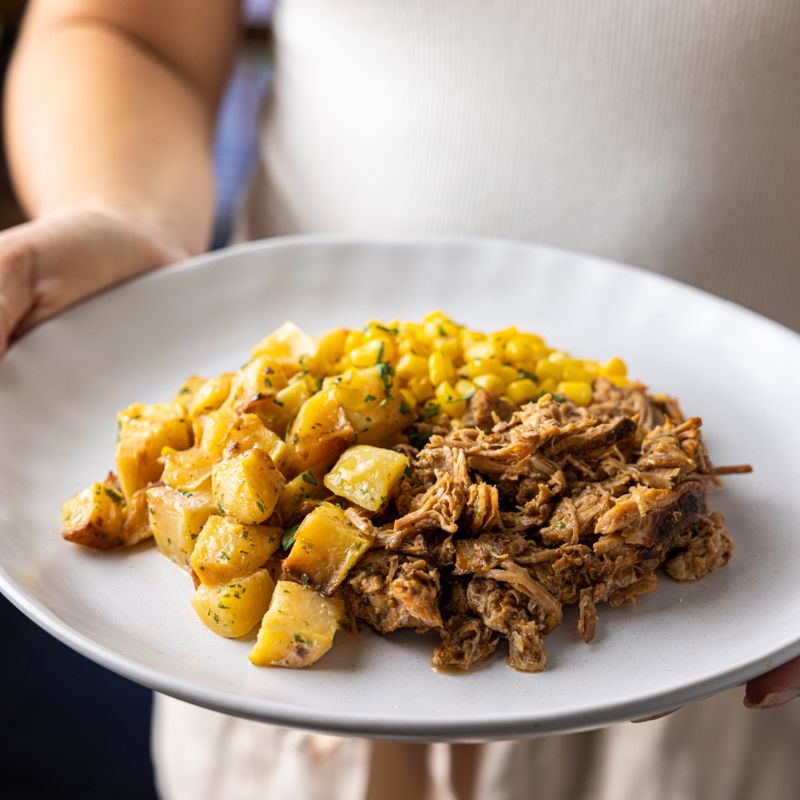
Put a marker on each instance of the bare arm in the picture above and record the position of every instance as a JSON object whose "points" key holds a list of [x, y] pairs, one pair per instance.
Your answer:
{"points": [[109, 116]]}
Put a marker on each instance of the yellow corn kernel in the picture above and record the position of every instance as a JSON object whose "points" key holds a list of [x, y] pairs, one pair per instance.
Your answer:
{"points": [[421, 388], [579, 392], [372, 352], [575, 371], [504, 336], [440, 369], [548, 385], [508, 374], [406, 347], [492, 383], [614, 366], [465, 388], [480, 350], [519, 349], [548, 369], [522, 391], [618, 380], [483, 366], [449, 347], [450, 401], [408, 398], [411, 366]]}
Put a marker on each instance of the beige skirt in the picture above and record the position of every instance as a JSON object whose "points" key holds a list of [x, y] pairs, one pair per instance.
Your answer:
{"points": [[712, 750]]}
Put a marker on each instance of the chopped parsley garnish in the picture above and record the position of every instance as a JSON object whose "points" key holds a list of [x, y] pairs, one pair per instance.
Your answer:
{"points": [[385, 371], [431, 410], [531, 376], [277, 402], [404, 409], [260, 506], [116, 497], [559, 526], [419, 438], [220, 508], [309, 478], [287, 540], [185, 390], [370, 398], [304, 579], [380, 353], [185, 493], [299, 638]]}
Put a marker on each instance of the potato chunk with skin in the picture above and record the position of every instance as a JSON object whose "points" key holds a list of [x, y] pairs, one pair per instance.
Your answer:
{"points": [[247, 486], [367, 475], [307, 486], [211, 395], [249, 431], [298, 628], [374, 411], [136, 526], [187, 469], [326, 546], [320, 431], [226, 549], [94, 517], [188, 390], [233, 609], [144, 431], [176, 519]]}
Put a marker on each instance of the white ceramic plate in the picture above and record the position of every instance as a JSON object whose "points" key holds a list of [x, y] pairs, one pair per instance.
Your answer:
{"points": [[61, 386]]}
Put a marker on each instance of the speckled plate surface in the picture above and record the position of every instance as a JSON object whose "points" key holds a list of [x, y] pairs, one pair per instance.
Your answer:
{"points": [[61, 386]]}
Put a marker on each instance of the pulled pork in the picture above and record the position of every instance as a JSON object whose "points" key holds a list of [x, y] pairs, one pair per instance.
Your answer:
{"points": [[501, 522]]}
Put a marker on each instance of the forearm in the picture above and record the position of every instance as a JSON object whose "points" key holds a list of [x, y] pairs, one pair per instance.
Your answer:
{"points": [[96, 118]]}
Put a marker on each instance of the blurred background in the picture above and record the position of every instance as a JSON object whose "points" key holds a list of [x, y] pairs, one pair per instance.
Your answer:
{"points": [[71, 728]]}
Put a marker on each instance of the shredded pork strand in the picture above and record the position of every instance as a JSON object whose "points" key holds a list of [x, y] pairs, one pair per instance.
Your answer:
{"points": [[502, 522]]}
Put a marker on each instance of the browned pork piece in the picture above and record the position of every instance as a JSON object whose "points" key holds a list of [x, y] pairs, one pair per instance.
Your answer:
{"points": [[502, 521]]}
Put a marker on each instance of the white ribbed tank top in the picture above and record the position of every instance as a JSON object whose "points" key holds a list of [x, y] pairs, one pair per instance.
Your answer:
{"points": [[662, 134]]}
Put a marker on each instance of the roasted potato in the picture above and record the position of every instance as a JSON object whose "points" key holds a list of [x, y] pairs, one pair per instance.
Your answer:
{"points": [[367, 475], [320, 432], [136, 524], [326, 545], [233, 609], [298, 628], [248, 431], [305, 487], [289, 347], [176, 519], [144, 431], [247, 486], [94, 517], [226, 549], [211, 395], [373, 409], [187, 469]]}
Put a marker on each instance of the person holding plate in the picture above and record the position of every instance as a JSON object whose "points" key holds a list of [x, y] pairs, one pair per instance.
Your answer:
{"points": [[664, 136]]}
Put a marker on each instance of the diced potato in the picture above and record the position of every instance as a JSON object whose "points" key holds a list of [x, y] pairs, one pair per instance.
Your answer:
{"points": [[254, 386], [94, 517], [144, 431], [326, 546], [136, 525], [211, 395], [298, 629], [187, 392], [234, 609], [367, 475], [211, 430], [249, 431], [306, 486], [320, 431], [176, 519], [374, 410], [285, 405], [187, 469], [226, 549], [247, 486], [288, 346]]}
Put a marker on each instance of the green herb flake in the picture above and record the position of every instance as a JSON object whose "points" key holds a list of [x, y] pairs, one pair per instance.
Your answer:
{"points": [[185, 390], [299, 638], [304, 579], [559, 526], [431, 410], [220, 508], [309, 478], [224, 556], [115, 497], [287, 540], [531, 376], [404, 409], [380, 353], [185, 493], [370, 398], [260, 506]]}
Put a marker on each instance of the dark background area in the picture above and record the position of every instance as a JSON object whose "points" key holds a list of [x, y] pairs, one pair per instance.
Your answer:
{"points": [[69, 727]]}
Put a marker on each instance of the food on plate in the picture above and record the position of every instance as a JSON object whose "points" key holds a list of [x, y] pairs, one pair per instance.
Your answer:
{"points": [[416, 475]]}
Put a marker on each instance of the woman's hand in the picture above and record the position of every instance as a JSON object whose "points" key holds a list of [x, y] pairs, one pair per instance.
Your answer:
{"points": [[55, 261], [774, 688]]}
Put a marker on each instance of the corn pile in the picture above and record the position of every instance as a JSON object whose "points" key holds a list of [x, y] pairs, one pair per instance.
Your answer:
{"points": [[437, 364]]}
